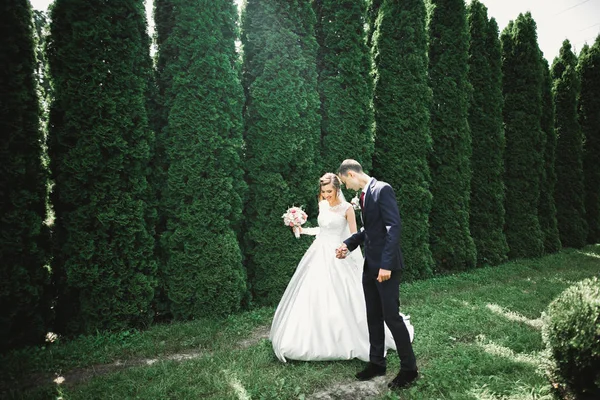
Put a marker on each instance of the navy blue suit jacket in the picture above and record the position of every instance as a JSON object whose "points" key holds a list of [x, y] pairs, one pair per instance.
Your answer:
{"points": [[381, 229]]}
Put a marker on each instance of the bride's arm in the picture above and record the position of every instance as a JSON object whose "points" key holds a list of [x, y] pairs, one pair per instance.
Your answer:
{"points": [[351, 218]]}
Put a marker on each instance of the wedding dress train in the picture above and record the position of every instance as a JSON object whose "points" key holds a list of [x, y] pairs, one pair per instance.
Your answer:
{"points": [[322, 314]]}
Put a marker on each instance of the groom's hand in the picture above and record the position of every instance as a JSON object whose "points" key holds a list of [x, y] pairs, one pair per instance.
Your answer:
{"points": [[384, 275], [341, 251]]}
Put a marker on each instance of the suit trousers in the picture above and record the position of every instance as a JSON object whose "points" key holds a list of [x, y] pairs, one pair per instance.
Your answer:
{"points": [[383, 306]]}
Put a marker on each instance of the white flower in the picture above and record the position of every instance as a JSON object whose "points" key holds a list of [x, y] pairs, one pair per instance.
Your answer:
{"points": [[355, 202]]}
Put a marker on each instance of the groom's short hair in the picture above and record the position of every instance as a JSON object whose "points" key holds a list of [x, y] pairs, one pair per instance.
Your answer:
{"points": [[349, 165]]}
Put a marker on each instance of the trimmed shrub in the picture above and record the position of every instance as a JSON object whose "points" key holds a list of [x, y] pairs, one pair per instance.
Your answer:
{"points": [[589, 118], [24, 249], [282, 131], [571, 332], [202, 272], [452, 246], [99, 148], [569, 192], [402, 101], [345, 83], [523, 156], [487, 133], [547, 206]]}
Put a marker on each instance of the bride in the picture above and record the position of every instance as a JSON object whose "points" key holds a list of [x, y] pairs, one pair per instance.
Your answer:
{"points": [[322, 314]]}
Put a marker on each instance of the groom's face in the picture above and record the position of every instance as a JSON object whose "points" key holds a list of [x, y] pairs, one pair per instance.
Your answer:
{"points": [[350, 181]]}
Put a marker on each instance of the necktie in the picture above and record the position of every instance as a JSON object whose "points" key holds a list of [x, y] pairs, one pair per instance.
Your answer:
{"points": [[362, 200]]}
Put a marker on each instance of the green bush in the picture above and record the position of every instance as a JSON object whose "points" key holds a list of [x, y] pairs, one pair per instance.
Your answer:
{"points": [[571, 332]]}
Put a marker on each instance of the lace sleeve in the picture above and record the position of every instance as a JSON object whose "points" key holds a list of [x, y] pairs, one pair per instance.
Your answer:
{"points": [[310, 231]]}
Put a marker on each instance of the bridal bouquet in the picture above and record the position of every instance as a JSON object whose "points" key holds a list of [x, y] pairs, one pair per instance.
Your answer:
{"points": [[294, 217]]}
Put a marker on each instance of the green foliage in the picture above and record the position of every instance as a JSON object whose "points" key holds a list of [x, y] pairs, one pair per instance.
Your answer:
{"points": [[547, 205], [24, 235], [570, 192], [99, 149], [451, 243], [523, 157], [345, 83], [371, 14], [402, 100], [487, 135], [282, 129], [203, 98], [571, 332], [589, 118], [496, 350]]}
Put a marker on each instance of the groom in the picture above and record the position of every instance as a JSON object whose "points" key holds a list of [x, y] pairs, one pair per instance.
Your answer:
{"points": [[381, 273]]}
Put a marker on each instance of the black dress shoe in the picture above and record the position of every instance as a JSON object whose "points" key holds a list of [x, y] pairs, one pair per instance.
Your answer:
{"points": [[371, 371], [403, 379]]}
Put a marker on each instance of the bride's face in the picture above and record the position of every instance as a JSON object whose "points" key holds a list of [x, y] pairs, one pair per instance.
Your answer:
{"points": [[329, 193]]}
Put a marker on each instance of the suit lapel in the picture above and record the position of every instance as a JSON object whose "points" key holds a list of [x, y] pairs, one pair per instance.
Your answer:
{"points": [[368, 197]]}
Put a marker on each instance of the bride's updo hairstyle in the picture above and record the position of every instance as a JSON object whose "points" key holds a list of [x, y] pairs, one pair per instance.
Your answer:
{"points": [[329, 179]]}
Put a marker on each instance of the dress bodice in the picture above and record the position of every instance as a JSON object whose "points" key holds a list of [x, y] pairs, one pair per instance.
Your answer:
{"points": [[332, 220]]}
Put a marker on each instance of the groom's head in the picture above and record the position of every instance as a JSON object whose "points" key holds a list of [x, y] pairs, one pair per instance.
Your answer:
{"points": [[349, 172]]}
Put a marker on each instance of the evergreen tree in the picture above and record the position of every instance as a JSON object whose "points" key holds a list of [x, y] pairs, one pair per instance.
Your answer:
{"points": [[402, 100], [99, 151], [203, 274], [523, 156], [589, 117], [451, 243], [345, 84], [547, 206], [23, 181], [569, 193], [282, 129], [487, 133]]}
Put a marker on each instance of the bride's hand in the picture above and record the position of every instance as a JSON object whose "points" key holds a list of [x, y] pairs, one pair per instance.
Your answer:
{"points": [[341, 251]]}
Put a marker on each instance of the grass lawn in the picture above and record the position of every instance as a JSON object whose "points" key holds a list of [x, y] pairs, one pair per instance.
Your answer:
{"points": [[477, 336]]}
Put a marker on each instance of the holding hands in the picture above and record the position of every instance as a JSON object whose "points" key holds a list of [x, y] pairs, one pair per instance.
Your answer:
{"points": [[342, 251]]}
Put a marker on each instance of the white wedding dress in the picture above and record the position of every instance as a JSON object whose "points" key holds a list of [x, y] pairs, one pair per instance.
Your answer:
{"points": [[322, 314]]}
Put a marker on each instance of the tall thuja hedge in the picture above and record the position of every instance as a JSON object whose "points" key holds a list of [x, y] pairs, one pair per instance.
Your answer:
{"points": [[451, 243], [99, 151], [523, 156], [589, 118], [547, 206], [569, 192], [203, 274], [402, 99], [345, 83], [282, 129], [487, 134], [23, 179]]}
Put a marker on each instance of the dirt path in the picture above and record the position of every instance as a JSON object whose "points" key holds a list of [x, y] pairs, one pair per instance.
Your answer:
{"points": [[351, 390]]}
